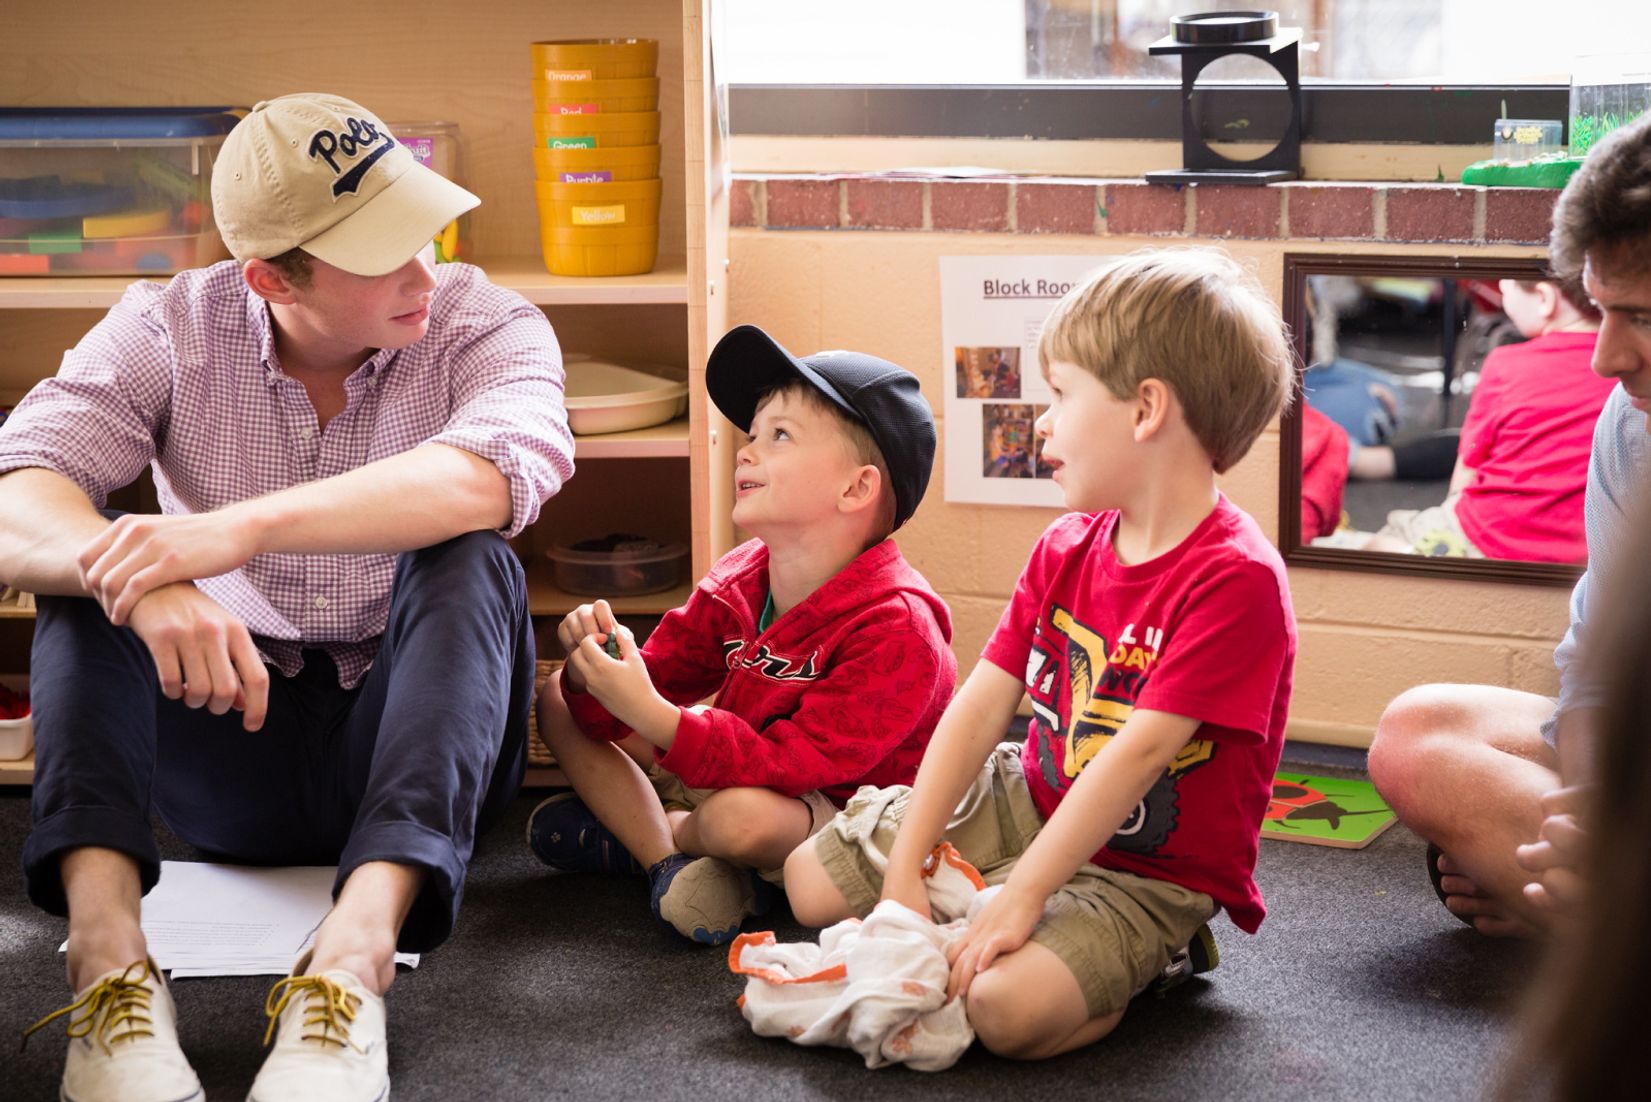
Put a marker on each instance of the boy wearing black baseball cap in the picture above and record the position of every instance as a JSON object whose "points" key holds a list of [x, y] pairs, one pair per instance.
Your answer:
{"points": [[828, 655]]}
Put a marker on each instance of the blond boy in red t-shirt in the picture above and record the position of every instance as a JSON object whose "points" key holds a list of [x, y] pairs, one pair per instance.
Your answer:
{"points": [[1152, 629]]}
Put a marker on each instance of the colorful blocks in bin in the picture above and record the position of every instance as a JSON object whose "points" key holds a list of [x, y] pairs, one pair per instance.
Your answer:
{"points": [[590, 59]]}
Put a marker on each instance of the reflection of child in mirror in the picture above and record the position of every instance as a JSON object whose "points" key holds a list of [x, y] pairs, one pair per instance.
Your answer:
{"points": [[1516, 491]]}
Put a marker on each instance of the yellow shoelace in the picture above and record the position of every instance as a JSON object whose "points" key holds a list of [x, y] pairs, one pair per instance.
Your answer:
{"points": [[328, 1014], [122, 1002]]}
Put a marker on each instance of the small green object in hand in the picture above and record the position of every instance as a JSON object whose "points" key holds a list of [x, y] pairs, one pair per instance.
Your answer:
{"points": [[612, 645]]}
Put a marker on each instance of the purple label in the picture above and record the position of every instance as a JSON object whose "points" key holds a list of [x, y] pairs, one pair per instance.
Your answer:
{"points": [[587, 178], [423, 149]]}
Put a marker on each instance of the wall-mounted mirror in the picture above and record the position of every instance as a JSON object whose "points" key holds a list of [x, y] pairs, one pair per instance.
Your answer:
{"points": [[1443, 417]]}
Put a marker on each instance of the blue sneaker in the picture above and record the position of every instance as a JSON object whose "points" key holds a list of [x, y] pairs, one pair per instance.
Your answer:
{"points": [[564, 834], [705, 898], [1198, 957]]}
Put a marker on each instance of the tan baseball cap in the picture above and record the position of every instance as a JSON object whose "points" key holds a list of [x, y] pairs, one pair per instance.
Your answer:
{"points": [[322, 172]]}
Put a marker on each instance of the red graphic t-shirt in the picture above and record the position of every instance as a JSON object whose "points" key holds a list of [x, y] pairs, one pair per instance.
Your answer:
{"points": [[1205, 631]]}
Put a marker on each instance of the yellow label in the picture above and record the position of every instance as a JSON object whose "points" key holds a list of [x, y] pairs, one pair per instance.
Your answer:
{"points": [[567, 74], [599, 216]]}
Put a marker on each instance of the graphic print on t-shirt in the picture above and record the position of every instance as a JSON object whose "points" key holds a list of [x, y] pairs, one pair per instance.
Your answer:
{"points": [[1083, 689]]}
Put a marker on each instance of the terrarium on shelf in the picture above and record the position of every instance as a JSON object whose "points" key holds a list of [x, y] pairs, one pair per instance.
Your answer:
{"points": [[1607, 90]]}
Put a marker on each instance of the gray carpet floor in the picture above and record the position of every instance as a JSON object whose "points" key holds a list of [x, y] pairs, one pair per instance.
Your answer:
{"points": [[1359, 986]]}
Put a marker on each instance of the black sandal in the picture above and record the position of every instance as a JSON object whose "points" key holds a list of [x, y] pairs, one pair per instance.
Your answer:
{"points": [[1437, 877]]}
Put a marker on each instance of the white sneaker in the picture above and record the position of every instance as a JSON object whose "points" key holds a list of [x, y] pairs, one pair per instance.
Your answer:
{"points": [[123, 1041], [329, 1041]]}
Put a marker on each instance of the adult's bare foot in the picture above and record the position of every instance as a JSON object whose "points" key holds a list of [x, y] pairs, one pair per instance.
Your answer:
{"points": [[1470, 903]]}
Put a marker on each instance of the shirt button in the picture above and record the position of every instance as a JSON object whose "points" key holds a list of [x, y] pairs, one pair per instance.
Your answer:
{"points": [[306, 432], [320, 602]]}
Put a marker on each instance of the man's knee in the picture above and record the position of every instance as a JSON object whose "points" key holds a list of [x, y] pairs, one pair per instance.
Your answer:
{"points": [[483, 553], [1414, 718]]}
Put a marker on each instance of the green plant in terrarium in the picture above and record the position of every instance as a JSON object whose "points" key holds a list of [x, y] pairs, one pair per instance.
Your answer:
{"points": [[1587, 130]]}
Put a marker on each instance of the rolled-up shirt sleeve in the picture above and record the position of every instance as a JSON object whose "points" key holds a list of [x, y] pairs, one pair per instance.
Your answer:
{"points": [[508, 407], [97, 420]]}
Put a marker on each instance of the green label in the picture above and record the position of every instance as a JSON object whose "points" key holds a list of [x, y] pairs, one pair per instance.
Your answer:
{"points": [[586, 142]]}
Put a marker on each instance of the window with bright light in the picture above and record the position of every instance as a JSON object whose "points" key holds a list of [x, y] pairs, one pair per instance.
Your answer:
{"points": [[976, 42]]}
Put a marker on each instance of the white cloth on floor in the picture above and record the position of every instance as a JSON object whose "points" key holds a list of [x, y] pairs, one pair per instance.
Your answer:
{"points": [[877, 986]]}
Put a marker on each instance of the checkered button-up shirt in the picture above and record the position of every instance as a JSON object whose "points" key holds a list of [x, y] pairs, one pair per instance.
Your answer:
{"points": [[183, 376]]}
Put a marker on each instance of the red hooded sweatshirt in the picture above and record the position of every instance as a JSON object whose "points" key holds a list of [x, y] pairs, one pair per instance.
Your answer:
{"points": [[841, 691]]}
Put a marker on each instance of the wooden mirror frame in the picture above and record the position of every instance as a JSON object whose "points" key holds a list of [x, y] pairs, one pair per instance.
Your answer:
{"points": [[1298, 267]]}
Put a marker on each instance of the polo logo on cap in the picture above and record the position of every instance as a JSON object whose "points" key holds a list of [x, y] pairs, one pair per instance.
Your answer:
{"points": [[329, 146]]}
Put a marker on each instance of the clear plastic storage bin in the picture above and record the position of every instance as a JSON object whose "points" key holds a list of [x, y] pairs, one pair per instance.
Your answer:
{"points": [[617, 565], [108, 191]]}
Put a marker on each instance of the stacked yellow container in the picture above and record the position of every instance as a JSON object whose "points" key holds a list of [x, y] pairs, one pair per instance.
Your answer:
{"points": [[596, 155]]}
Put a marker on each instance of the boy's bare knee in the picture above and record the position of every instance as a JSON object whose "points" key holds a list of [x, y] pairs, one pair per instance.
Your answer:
{"points": [[814, 899], [745, 824], [555, 722], [1003, 1019]]}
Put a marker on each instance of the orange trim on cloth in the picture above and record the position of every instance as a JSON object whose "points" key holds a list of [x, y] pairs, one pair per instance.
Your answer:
{"points": [[766, 937]]}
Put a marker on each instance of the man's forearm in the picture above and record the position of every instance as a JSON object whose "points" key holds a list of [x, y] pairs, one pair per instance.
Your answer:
{"points": [[45, 519], [408, 501]]}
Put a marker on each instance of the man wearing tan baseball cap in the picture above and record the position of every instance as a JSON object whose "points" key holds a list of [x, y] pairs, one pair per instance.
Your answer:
{"points": [[320, 652]]}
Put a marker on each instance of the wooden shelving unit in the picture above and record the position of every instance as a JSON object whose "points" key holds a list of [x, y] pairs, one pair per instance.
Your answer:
{"points": [[209, 53]]}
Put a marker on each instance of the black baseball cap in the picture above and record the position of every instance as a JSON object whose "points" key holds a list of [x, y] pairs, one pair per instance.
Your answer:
{"points": [[747, 363]]}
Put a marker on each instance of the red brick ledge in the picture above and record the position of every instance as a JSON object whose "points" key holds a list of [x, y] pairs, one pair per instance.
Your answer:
{"points": [[1305, 210]]}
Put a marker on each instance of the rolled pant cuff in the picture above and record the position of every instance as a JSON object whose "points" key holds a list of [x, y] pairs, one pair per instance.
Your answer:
{"points": [[430, 921], [77, 828]]}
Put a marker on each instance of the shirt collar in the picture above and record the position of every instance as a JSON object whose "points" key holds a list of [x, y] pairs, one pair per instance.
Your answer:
{"points": [[262, 324]]}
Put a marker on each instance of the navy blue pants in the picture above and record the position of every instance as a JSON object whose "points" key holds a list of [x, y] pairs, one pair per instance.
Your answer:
{"points": [[403, 768]]}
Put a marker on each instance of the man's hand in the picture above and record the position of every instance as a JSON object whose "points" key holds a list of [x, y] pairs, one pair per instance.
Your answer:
{"points": [[138, 554], [589, 619], [1002, 926], [203, 654], [1556, 857], [622, 685]]}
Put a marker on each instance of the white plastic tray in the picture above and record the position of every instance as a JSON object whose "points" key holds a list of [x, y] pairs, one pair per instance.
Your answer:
{"points": [[603, 396]]}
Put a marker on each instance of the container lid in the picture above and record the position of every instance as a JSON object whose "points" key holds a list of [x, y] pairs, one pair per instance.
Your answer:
{"points": [[114, 123]]}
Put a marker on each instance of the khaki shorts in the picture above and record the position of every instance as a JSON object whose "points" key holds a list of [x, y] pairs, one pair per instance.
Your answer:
{"points": [[1434, 531], [1114, 931], [676, 796]]}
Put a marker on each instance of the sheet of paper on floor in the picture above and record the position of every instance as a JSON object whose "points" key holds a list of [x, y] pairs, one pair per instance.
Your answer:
{"points": [[206, 919]]}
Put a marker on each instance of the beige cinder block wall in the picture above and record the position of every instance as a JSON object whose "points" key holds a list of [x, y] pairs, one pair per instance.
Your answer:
{"points": [[1364, 637]]}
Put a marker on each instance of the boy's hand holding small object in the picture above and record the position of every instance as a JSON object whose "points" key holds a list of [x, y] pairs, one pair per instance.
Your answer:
{"points": [[610, 667]]}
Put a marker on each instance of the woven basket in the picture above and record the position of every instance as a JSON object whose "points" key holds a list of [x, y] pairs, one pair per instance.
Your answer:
{"points": [[537, 752]]}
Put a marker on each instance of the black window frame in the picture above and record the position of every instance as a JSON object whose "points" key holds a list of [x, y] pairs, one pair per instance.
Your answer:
{"points": [[1460, 114]]}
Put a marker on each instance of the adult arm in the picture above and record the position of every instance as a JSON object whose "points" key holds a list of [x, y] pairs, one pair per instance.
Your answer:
{"points": [[504, 450], [415, 499]]}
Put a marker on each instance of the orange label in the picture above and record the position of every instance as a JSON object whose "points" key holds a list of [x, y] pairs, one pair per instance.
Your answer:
{"points": [[598, 216], [567, 74]]}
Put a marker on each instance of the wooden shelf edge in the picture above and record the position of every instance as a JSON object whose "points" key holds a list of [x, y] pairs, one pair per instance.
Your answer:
{"points": [[545, 776], [669, 439], [667, 283], [20, 771], [545, 599]]}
